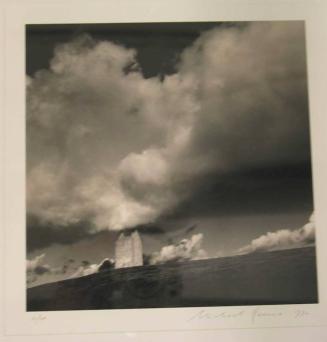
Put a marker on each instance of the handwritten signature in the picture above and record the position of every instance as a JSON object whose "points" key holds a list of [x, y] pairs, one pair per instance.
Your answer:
{"points": [[254, 314], [206, 315]]}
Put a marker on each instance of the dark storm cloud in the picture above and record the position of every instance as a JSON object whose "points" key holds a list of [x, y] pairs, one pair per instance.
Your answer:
{"points": [[236, 104], [253, 96], [40, 234], [256, 191], [167, 233], [149, 229]]}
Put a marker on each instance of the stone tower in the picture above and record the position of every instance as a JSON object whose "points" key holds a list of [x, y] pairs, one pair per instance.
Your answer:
{"points": [[128, 250]]}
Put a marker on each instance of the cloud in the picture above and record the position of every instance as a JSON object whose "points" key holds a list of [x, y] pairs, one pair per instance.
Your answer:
{"points": [[83, 161], [87, 269], [107, 146], [186, 249], [249, 85], [281, 239], [32, 265], [83, 271], [41, 233], [39, 270], [36, 268]]}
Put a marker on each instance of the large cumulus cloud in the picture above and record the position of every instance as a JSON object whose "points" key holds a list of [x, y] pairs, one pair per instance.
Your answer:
{"points": [[251, 86], [107, 145], [92, 127]]}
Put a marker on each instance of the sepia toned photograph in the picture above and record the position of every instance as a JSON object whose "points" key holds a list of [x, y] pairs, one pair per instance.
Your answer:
{"points": [[168, 165]]}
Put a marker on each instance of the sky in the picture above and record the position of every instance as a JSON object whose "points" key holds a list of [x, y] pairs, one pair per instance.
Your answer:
{"points": [[194, 131]]}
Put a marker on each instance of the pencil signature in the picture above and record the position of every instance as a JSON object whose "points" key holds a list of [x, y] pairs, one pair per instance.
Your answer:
{"points": [[254, 315]]}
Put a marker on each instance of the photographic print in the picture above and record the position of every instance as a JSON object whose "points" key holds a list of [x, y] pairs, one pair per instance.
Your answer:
{"points": [[168, 165]]}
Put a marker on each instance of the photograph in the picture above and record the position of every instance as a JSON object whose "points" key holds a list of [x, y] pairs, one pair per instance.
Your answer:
{"points": [[168, 165]]}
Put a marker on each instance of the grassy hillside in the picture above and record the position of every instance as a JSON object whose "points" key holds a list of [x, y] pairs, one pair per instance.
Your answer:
{"points": [[279, 277]]}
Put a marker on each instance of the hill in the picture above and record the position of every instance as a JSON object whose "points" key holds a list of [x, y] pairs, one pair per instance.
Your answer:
{"points": [[278, 277]]}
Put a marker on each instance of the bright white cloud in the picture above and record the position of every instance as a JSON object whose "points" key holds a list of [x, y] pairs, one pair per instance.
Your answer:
{"points": [[282, 239], [85, 270], [90, 269], [186, 249]]}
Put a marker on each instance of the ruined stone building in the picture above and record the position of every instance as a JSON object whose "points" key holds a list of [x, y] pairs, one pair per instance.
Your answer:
{"points": [[128, 250]]}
